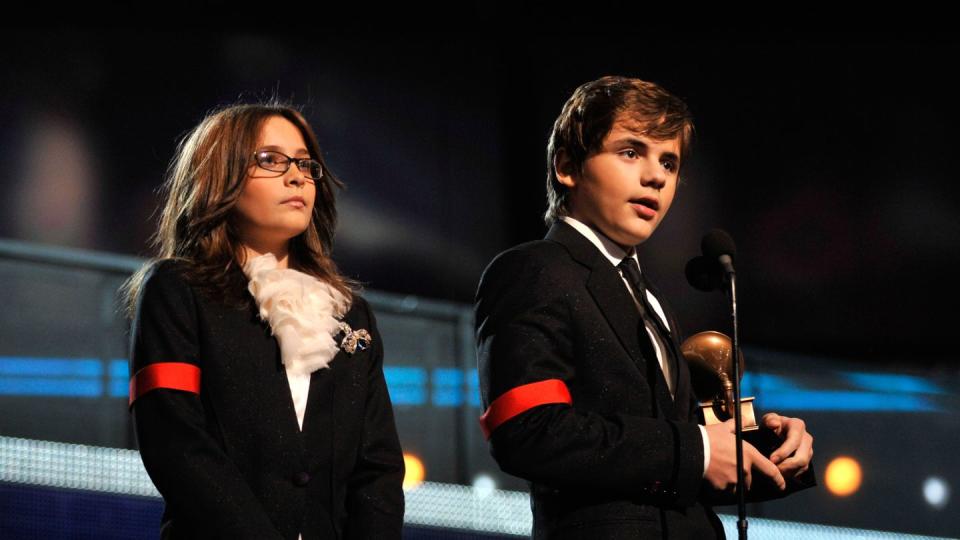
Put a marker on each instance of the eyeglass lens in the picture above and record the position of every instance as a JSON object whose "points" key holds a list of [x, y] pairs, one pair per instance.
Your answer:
{"points": [[277, 162]]}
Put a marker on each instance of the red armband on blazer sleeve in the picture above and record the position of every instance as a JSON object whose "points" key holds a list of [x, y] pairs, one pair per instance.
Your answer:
{"points": [[521, 399], [170, 375]]}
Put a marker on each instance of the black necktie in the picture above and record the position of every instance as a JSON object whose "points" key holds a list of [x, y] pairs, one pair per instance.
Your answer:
{"points": [[631, 270]]}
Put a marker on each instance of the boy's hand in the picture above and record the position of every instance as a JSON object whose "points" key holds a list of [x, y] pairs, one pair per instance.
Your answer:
{"points": [[794, 455], [722, 472]]}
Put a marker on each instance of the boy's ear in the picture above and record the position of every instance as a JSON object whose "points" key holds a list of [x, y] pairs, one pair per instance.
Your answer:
{"points": [[563, 167]]}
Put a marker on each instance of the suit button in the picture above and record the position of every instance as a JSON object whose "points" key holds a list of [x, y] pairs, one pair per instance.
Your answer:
{"points": [[301, 479]]}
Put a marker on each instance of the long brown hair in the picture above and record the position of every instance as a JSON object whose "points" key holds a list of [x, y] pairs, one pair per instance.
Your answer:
{"points": [[204, 180]]}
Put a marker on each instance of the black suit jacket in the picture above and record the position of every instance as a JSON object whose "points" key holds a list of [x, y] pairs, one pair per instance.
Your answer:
{"points": [[625, 460], [232, 462]]}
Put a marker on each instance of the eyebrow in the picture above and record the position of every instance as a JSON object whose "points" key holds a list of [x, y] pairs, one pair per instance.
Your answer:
{"points": [[633, 141], [297, 152]]}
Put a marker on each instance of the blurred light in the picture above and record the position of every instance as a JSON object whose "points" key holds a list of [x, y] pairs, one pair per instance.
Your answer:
{"points": [[95, 469], [73, 466], [936, 491], [56, 201], [448, 387], [483, 486], [843, 476], [407, 384], [415, 471], [450, 506]]}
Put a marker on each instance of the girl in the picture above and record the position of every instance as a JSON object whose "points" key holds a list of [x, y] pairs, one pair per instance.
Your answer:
{"points": [[258, 395]]}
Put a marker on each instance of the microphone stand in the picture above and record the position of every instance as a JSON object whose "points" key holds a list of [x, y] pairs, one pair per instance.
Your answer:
{"points": [[738, 422]]}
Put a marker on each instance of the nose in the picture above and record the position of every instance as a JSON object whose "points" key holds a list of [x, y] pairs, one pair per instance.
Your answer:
{"points": [[294, 176], [653, 175]]}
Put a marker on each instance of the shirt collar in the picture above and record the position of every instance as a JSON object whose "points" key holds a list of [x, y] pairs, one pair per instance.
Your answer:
{"points": [[614, 253]]}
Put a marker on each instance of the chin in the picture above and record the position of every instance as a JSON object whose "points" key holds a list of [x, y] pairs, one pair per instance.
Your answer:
{"points": [[289, 232], [296, 227], [634, 238]]}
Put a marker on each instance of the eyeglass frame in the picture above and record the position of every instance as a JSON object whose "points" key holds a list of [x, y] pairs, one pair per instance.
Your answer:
{"points": [[290, 161]]}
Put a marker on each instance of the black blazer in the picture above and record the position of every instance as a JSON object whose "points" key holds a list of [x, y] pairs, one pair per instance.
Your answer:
{"points": [[625, 460], [231, 461]]}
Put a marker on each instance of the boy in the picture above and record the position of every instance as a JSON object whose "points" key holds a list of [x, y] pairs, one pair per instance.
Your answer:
{"points": [[586, 395]]}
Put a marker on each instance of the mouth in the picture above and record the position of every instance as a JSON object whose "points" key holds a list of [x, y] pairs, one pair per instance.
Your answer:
{"points": [[296, 202], [645, 207]]}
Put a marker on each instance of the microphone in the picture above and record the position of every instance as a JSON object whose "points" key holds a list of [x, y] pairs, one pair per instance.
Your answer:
{"points": [[704, 274], [718, 254], [718, 245]]}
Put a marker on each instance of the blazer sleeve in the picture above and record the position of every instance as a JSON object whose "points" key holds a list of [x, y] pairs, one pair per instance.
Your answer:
{"points": [[375, 500], [526, 333], [198, 481]]}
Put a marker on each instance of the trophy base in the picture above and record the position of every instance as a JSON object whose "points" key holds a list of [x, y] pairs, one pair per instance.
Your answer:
{"points": [[714, 413]]}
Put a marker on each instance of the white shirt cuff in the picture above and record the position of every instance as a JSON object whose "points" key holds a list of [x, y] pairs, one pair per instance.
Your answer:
{"points": [[706, 449]]}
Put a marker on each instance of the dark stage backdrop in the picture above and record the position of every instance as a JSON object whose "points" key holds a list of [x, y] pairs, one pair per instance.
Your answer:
{"points": [[829, 158]]}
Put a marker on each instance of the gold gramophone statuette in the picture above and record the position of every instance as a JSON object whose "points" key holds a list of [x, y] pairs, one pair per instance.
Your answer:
{"points": [[710, 355]]}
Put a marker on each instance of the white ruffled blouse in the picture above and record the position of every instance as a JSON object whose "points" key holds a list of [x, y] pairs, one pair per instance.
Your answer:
{"points": [[304, 315]]}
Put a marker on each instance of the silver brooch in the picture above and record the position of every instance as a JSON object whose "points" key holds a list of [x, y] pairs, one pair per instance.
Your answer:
{"points": [[354, 340]]}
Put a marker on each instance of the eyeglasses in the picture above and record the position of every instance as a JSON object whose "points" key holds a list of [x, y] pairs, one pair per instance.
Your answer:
{"points": [[280, 163]]}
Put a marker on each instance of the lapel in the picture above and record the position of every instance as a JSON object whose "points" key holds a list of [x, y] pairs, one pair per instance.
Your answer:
{"points": [[606, 288], [317, 419], [275, 394], [332, 408], [617, 305]]}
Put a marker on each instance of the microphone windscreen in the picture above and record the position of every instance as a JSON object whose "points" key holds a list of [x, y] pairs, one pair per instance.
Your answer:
{"points": [[704, 273], [716, 243]]}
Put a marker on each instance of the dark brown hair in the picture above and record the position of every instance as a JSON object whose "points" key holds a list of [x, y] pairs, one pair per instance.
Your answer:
{"points": [[588, 116], [204, 181]]}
